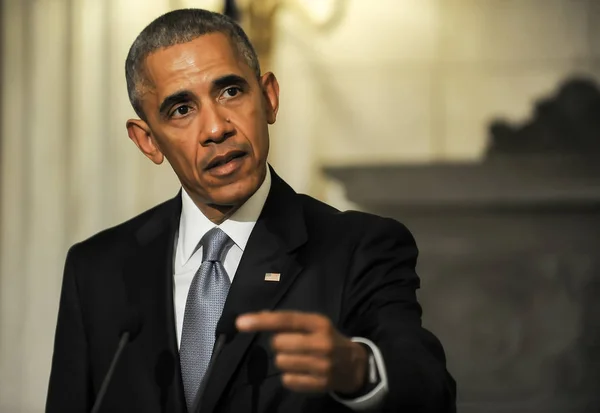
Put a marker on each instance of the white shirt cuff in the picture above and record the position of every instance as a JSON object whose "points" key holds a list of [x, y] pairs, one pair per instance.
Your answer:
{"points": [[374, 398]]}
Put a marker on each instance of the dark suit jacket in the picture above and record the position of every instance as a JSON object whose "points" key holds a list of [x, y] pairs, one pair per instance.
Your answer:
{"points": [[355, 268]]}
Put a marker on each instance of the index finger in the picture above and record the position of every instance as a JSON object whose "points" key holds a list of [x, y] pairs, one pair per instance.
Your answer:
{"points": [[279, 321]]}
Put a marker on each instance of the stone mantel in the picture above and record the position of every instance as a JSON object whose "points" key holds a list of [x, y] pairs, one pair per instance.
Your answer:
{"points": [[509, 182]]}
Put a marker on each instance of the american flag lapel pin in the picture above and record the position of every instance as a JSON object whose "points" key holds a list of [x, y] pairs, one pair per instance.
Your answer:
{"points": [[272, 276]]}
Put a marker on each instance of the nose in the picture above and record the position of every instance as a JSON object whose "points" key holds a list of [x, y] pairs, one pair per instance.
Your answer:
{"points": [[216, 126]]}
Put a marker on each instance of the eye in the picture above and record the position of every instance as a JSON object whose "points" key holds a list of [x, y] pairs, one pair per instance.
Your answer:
{"points": [[180, 111], [231, 92]]}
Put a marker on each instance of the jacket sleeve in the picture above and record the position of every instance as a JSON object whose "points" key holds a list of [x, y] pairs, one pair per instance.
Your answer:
{"points": [[69, 390], [380, 304]]}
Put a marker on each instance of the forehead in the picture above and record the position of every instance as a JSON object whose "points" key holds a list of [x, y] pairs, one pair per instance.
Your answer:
{"points": [[192, 63]]}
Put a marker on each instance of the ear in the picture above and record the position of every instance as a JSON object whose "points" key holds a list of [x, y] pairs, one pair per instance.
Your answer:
{"points": [[270, 87], [139, 132]]}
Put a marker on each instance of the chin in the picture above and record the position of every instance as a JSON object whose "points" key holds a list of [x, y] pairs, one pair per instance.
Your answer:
{"points": [[236, 193]]}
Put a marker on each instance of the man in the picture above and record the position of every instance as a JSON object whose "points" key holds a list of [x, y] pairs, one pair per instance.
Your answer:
{"points": [[329, 320]]}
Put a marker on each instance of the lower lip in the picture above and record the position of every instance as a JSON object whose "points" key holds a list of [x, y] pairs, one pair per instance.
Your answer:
{"points": [[228, 168]]}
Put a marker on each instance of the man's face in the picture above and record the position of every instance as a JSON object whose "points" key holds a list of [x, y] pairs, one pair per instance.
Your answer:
{"points": [[208, 115]]}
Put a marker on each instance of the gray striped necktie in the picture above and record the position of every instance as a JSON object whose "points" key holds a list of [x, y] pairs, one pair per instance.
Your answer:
{"points": [[203, 309]]}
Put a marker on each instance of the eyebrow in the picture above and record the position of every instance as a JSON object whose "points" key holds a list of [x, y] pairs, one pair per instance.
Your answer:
{"points": [[173, 99], [229, 80]]}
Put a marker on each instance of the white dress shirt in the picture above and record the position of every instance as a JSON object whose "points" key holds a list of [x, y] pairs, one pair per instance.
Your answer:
{"points": [[192, 227]]}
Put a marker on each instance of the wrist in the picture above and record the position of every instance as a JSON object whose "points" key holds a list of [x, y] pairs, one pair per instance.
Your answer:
{"points": [[359, 359]]}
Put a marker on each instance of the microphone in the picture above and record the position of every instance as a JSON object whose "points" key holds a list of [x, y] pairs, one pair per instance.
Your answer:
{"points": [[224, 333], [130, 331]]}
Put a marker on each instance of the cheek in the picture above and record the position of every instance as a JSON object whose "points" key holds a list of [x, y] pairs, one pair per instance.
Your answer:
{"points": [[182, 152], [253, 125]]}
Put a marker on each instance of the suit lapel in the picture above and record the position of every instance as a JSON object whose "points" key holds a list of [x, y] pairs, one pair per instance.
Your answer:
{"points": [[148, 278], [273, 247]]}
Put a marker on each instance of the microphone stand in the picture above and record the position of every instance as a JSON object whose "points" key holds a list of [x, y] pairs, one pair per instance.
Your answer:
{"points": [[122, 343]]}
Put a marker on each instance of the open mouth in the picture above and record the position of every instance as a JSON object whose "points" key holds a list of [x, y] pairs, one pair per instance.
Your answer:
{"points": [[224, 159]]}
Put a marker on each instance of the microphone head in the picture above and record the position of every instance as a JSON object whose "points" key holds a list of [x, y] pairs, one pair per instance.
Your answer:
{"points": [[132, 325], [226, 325]]}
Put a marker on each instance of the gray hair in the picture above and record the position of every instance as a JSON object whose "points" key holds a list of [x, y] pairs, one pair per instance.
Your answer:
{"points": [[176, 27]]}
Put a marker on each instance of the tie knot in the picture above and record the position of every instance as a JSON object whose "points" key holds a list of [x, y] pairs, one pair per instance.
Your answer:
{"points": [[215, 245]]}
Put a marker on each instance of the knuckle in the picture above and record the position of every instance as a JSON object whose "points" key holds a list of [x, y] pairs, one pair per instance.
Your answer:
{"points": [[323, 323], [326, 346], [279, 342], [295, 319], [280, 361], [287, 379], [275, 342], [323, 383], [325, 367]]}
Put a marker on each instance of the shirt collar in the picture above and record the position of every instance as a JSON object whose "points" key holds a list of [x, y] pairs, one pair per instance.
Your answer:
{"points": [[193, 224]]}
